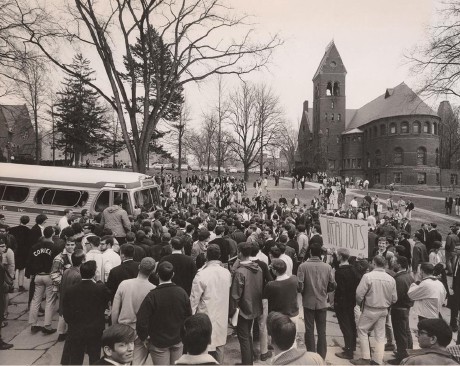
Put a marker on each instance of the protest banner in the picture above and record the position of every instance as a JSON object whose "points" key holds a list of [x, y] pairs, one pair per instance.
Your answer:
{"points": [[351, 234]]}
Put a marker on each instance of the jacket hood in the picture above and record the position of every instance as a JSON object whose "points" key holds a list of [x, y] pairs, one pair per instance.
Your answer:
{"points": [[252, 266], [113, 209]]}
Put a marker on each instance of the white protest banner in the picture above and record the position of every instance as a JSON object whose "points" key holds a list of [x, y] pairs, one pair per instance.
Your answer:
{"points": [[345, 233]]}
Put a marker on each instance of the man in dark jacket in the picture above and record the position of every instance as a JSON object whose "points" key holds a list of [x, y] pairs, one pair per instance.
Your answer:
{"points": [[400, 310], [83, 306], [344, 302], [22, 235], [39, 266], [126, 270], [432, 236], [419, 253], [161, 317], [184, 266], [246, 295]]}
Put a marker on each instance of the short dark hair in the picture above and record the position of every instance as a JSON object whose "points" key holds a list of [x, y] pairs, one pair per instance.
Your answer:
{"points": [[40, 219], [213, 252], [282, 330], [279, 266], [219, 230], [48, 232], [438, 328], [130, 236], [118, 201], [127, 250], [24, 219], [77, 257], [427, 268], [176, 243], [94, 240], [88, 270], [165, 271], [316, 249], [140, 235], [403, 262], [245, 248], [117, 333], [197, 332], [275, 251]]}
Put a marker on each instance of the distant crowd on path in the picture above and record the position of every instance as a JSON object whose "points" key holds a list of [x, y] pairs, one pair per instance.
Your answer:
{"points": [[169, 279]]}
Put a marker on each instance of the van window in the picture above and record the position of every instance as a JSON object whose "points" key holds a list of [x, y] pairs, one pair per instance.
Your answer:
{"points": [[145, 198], [13, 193], [102, 201], [60, 197], [124, 196]]}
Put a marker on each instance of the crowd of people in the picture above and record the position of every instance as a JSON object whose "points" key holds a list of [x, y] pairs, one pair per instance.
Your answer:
{"points": [[169, 282]]}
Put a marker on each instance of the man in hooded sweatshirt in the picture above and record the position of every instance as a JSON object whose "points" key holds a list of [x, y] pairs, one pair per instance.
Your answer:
{"points": [[246, 295], [116, 219]]}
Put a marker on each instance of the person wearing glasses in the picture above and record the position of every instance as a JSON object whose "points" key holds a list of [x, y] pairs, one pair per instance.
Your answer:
{"points": [[434, 335]]}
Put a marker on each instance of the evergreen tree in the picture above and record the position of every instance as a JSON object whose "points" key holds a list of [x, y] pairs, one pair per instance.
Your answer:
{"points": [[81, 121]]}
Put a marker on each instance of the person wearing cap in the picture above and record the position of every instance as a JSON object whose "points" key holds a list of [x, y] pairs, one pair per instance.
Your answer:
{"points": [[161, 317], [127, 301], [116, 219], [39, 265], [209, 296]]}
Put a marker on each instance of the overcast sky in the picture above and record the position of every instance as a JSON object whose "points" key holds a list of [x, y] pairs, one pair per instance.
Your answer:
{"points": [[371, 36]]}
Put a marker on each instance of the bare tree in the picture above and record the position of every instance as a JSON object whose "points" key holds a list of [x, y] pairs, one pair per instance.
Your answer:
{"points": [[180, 128], [436, 60], [190, 34], [32, 84], [252, 124], [288, 144], [449, 132]]}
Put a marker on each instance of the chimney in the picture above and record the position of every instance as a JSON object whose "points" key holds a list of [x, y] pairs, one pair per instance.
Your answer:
{"points": [[305, 105]]}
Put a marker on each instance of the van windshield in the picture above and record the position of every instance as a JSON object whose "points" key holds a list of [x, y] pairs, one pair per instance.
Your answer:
{"points": [[145, 198]]}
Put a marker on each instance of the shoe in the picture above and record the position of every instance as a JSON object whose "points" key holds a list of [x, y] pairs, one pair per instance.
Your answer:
{"points": [[360, 361], [41, 313], [22, 289], [390, 347], [62, 337], [394, 361], [344, 355], [4, 346], [347, 350], [35, 328], [265, 356], [270, 347], [48, 330], [373, 363]]}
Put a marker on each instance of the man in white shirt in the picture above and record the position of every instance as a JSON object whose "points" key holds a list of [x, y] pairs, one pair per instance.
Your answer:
{"points": [[428, 294], [128, 300], [110, 258], [64, 221], [94, 254], [354, 204]]}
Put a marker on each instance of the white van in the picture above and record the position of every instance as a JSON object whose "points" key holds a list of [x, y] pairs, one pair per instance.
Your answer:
{"points": [[34, 189]]}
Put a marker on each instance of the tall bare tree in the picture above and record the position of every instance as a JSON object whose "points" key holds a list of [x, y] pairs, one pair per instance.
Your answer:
{"points": [[449, 132], [288, 144], [32, 84], [253, 126], [191, 32], [436, 60]]}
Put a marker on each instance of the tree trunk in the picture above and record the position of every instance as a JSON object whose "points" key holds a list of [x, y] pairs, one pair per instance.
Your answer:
{"points": [[246, 173], [37, 149], [179, 164]]}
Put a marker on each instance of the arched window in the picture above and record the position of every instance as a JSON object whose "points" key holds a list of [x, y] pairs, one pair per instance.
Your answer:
{"points": [[368, 160], [404, 127], [378, 158], [421, 156], [426, 127], [393, 128], [325, 116], [329, 89], [383, 130], [398, 156], [332, 104], [336, 88], [437, 157], [332, 117], [339, 117], [435, 128], [416, 127]]}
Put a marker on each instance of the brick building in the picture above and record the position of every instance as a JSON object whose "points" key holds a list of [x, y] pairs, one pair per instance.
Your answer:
{"points": [[393, 138], [17, 136]]}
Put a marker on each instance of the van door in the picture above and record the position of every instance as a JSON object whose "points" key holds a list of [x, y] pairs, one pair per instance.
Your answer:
{"points": [[125, 198], [102, 201]]}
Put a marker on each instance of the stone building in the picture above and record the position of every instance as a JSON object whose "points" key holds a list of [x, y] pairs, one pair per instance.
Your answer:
{"points": [[393, 138]]}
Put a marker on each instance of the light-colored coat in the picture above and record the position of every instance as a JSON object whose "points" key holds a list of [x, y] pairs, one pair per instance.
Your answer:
{"points": [[210, 295]]}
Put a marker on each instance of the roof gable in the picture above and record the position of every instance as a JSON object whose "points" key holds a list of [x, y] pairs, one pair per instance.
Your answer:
{"points": [[398, 101], [331, 63]]}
